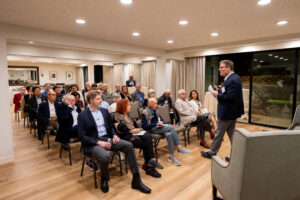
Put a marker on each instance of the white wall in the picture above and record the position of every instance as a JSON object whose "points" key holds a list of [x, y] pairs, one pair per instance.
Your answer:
{"points": [[6, 142]]}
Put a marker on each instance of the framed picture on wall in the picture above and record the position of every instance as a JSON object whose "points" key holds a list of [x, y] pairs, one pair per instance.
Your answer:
{"points": [[69, 75], [53, 76]]}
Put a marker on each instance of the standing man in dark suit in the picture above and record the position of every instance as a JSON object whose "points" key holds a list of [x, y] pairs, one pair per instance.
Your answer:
{"points": [[230, 106], [130, 82], [47, 114], [98, 137]]}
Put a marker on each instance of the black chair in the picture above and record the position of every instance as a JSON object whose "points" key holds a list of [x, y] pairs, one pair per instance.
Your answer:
{"points": [[33, 125], [26, 119], [67, 147], [47, 132]]}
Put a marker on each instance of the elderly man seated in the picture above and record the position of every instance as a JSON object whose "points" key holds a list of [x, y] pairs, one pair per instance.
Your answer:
{"points": [[106, 96], [189, 116], [47, 114], [138, 95], [152, 121], [167, 99]]}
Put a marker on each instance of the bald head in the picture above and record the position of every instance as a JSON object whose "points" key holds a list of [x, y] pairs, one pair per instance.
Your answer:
{"points": [[152, 103]]}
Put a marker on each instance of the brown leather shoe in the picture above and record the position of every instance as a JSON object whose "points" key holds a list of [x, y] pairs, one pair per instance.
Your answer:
{"points": [[204, 144], [212, 133]]}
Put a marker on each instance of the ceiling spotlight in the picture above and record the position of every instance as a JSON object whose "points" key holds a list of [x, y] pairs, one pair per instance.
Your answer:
{"points": [[286, 59], [281, 22], [215, 34], [30, 42], [136, 34], [183, 22], [261, 61], [83, 65], [276, 56], [255, 59], [270, 54], [281, 58], [80, 21], [170, 41], [263, 2], [126, 2]]}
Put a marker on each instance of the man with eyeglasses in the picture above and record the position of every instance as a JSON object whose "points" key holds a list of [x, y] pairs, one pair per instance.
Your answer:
{"points": [[230, 106], [47, 114]]}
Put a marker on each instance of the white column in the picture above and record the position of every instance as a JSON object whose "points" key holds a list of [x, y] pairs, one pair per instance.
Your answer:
{"points": [[6, 141], [160, 76], [91, 76]]}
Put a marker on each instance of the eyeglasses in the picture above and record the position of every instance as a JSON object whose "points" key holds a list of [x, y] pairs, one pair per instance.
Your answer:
{"points": [[222, 67]]}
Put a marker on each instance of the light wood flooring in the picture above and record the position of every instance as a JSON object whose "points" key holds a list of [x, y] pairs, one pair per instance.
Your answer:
{"points": [[38, 172]]}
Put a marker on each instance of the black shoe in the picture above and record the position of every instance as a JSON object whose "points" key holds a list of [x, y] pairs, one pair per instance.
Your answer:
{"points": [[52, 133], [104, 185], [40, 137], [227, 159], [139, 185], [154, 164], [152, 172], [92, 165], [205, 154]]}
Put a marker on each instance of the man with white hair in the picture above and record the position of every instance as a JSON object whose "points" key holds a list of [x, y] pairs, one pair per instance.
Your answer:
{"points": [[106, 96], [118, 89], [138, 95], [166, 99], [189, 116], [153, 122]]}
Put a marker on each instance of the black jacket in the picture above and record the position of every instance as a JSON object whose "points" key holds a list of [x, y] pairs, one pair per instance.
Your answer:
{"points": [[44, 116], [33, 107], [161, 101]]}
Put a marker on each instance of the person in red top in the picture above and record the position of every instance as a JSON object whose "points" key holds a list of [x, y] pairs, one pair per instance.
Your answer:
{"points": [[17, 98]]}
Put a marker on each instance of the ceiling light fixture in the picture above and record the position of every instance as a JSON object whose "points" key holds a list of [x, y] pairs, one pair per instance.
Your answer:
{"points": [[136, 34], [261, 61], [170, 41], [30, 42], [215, 34], [263, 2], [183, 22], [126, 2], [83, 65], [281, 22], [275, 56], [270, 54], [281, 58], [80, 21], [286, 59]]}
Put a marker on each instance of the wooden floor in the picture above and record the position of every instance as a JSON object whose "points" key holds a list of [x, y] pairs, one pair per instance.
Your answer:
{"points": [[38, 173]]}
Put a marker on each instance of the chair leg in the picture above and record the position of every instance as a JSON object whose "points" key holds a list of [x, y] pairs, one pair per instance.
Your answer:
{"points": [[120, 163], [82, 167], [43, 135], [60, 151], [27, 122], [188, 134], [70, 158], [48, 133], [126, 166], [95, 177], [184, 135]]}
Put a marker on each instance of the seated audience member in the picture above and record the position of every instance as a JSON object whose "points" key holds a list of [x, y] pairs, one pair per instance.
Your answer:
{"points": [[94, 86], [116, 97], [46, 90], [126, 128], [47, 114], [98, 137], [78, 102], [138, 95], [151, 94], [33, 104], [24, 102], [87, 87], [198, 107], [75, 88], [189, 116], [57, 91], [106, 96], [65, 90], [125, 94], [67, 116], [152, 121], [130, 82], [17, 99], [118, 89], [100, 87], [166, 99]]}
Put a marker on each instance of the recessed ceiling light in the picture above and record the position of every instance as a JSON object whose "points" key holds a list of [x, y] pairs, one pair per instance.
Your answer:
{"points": [[126, 2], [30, 42], [136, 34], [286, 59], [255, 59], [261, 61], [80, 21], [281, 58], [263, 2], [275, 56], [183, 22], [270, 54], [82, 65], [170, 41], [281, 22], [215, 34]]}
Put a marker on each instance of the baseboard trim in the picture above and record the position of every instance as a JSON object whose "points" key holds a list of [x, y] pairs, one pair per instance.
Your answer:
{"points": [[5, 160]]}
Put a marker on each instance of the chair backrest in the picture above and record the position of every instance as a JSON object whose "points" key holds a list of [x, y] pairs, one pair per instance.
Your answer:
{"points": [[176, 115], [263, 165], [134, 111], [164, 113], [296, 121]]}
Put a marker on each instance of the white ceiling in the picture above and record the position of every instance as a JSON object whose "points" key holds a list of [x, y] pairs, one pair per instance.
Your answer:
{"points": [[157, 20]]}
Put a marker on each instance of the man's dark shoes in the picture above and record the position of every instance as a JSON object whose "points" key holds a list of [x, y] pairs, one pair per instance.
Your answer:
{"points": [[152, 172], [227, 159], [205, 154], [139, 185], [104, 185], [154, 164]]}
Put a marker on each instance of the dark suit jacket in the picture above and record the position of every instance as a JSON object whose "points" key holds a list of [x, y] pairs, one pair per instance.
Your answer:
{"points": [[44, 116], [33, 107], [128, 83], [65, 121], [161, 101], [87, 128], [135, 97], [230, 103]]}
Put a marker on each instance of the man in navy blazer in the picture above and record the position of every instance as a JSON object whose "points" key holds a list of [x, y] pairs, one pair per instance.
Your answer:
{"points": [[47, 114], [230, 106], [98, 137]]}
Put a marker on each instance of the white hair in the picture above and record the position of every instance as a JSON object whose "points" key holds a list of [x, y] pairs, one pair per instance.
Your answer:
{"points": [[151, 91], [180, 91], [66, 97], [104, 84], [150, 100], [167, 91]]}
